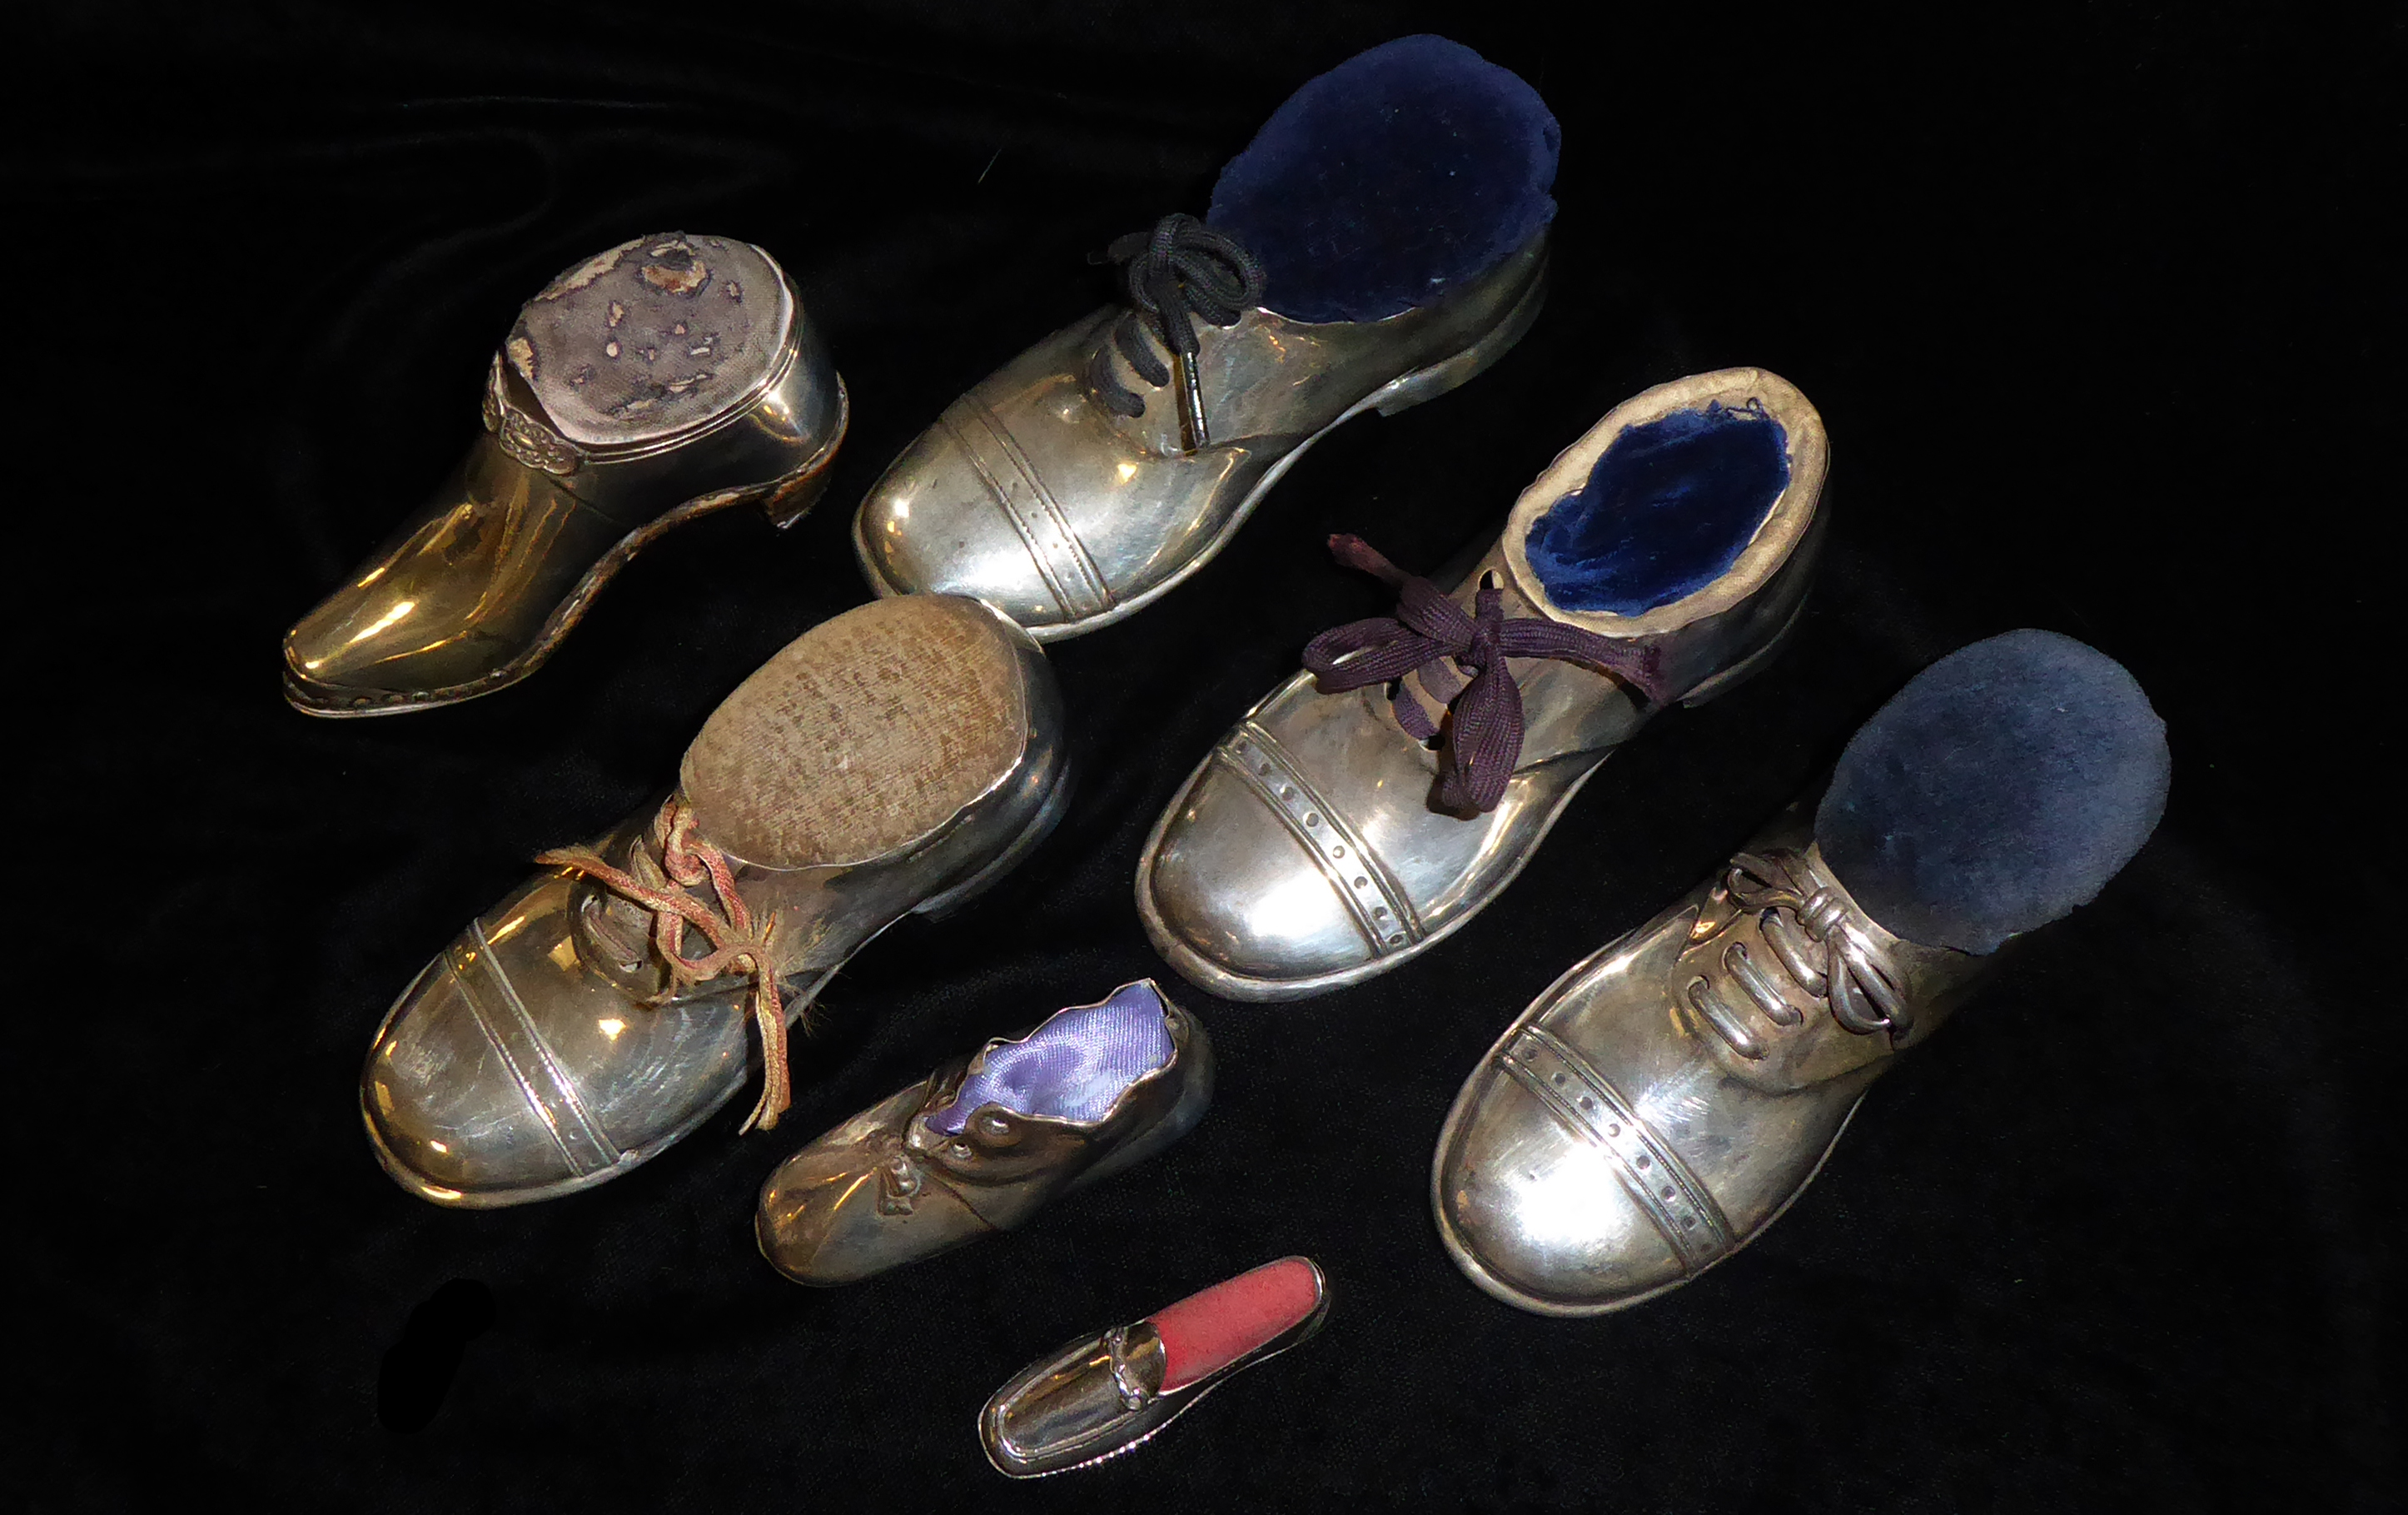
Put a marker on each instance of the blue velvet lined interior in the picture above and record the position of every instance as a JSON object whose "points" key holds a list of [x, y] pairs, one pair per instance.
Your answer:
{"points": [[2004, 785], [1666, 511], [1382, 185]]}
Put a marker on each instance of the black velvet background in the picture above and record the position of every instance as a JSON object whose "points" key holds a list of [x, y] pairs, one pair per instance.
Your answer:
{"points": [[2091, 300]]}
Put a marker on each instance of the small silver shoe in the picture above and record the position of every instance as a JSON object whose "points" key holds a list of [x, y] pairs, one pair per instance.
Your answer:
{"points": [[1094, 473], [668, 377], [982, 1144], [898, 758], [1106, 1395], [1667, 1099], [1338, 830]]}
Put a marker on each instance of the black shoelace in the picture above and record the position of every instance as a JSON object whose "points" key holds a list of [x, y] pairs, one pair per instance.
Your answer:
{"points": [[1179, 271]]}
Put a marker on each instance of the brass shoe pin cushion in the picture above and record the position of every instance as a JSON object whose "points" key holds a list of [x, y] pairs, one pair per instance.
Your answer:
{"points": [[664, 379]]}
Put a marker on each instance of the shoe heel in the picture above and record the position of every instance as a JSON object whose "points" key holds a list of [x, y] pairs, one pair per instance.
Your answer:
{"points": [[790, 502], [1040, 826], [1424, 385]]}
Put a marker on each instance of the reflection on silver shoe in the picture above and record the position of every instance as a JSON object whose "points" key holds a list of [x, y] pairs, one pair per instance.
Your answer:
{"points": [[666, 378], [898, 758], [1035, 495], [1106, 1395], [1665, 1100], [1336, 830], [978, 1146]]}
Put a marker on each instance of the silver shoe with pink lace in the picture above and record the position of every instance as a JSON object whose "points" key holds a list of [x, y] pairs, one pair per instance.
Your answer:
{"points": [[898, 758]]}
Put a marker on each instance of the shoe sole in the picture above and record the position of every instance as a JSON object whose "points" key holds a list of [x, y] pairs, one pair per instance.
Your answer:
{"points": [[1393, 397], [786, 500]]}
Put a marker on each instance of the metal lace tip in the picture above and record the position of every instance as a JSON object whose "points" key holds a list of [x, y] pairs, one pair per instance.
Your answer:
{"points": [[1191, 403]]}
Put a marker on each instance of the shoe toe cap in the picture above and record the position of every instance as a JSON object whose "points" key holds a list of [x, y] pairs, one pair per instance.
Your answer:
{"points": [[363, 648], [1538, 1215], [1230, 884], [934, 524], [448, 1114]]}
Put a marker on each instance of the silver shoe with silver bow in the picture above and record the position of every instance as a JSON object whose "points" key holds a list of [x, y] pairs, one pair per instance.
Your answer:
{"points": [[664, 379], [1341, 828], [1668, 1099], [982, 1143]]}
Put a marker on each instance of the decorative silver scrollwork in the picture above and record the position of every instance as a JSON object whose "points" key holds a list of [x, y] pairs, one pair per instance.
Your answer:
{"points": [[525, 438]]}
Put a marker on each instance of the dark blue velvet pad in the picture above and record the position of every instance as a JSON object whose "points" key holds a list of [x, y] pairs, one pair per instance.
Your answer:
{"points": [[1665, 512], [1382, 185], [2005, 785]]}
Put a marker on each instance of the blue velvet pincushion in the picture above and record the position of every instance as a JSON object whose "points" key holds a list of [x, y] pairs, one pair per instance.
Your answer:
{"points": [[1666, 511], [2004, 785], [1379, 185]]}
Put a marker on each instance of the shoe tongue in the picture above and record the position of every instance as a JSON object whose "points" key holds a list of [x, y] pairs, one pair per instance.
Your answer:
{"points": [[1074, 1067]]}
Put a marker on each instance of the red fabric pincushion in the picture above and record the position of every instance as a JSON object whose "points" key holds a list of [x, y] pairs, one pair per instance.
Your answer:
{"points": [[1206, 1332]]}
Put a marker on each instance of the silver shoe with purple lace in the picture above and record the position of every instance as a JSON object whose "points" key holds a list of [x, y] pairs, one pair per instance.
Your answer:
{"points": [[982, 1143], [1376, 801]]}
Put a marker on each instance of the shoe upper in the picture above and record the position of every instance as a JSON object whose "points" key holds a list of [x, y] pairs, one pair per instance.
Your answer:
{"points": [[1667, 1099], [1034, 495], [1381, 239], [659, 375], [877, 761], [1661, 1104], [952, 1159], [1310, 849]]}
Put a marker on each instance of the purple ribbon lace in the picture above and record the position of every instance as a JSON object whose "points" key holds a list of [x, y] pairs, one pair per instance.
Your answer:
{"points": [[1484, 739]]}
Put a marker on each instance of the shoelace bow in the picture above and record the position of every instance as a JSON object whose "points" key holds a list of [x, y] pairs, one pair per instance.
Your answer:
{"points": [[736, 943], [1807, 928], [1428, 631], [1176, 272]]}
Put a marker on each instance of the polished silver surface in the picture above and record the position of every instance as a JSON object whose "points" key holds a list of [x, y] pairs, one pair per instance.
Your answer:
{"points": [[1306, 852], [546, 1050], [1102, 1395], [1668, 1099], [668, 377], [886, 1187], [1031, 495]]}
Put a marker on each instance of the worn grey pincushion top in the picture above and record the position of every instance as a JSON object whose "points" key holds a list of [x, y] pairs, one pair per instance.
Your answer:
{"points": [[652, 337]]}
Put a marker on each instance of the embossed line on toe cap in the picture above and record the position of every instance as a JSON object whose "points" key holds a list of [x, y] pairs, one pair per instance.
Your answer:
{"points": [[1062, 560], [533, 1065], [1675, 1200], [1372, 895]]}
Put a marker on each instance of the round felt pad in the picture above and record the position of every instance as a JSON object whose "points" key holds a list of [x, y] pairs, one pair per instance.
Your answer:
{"points": [[861, 735]]}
